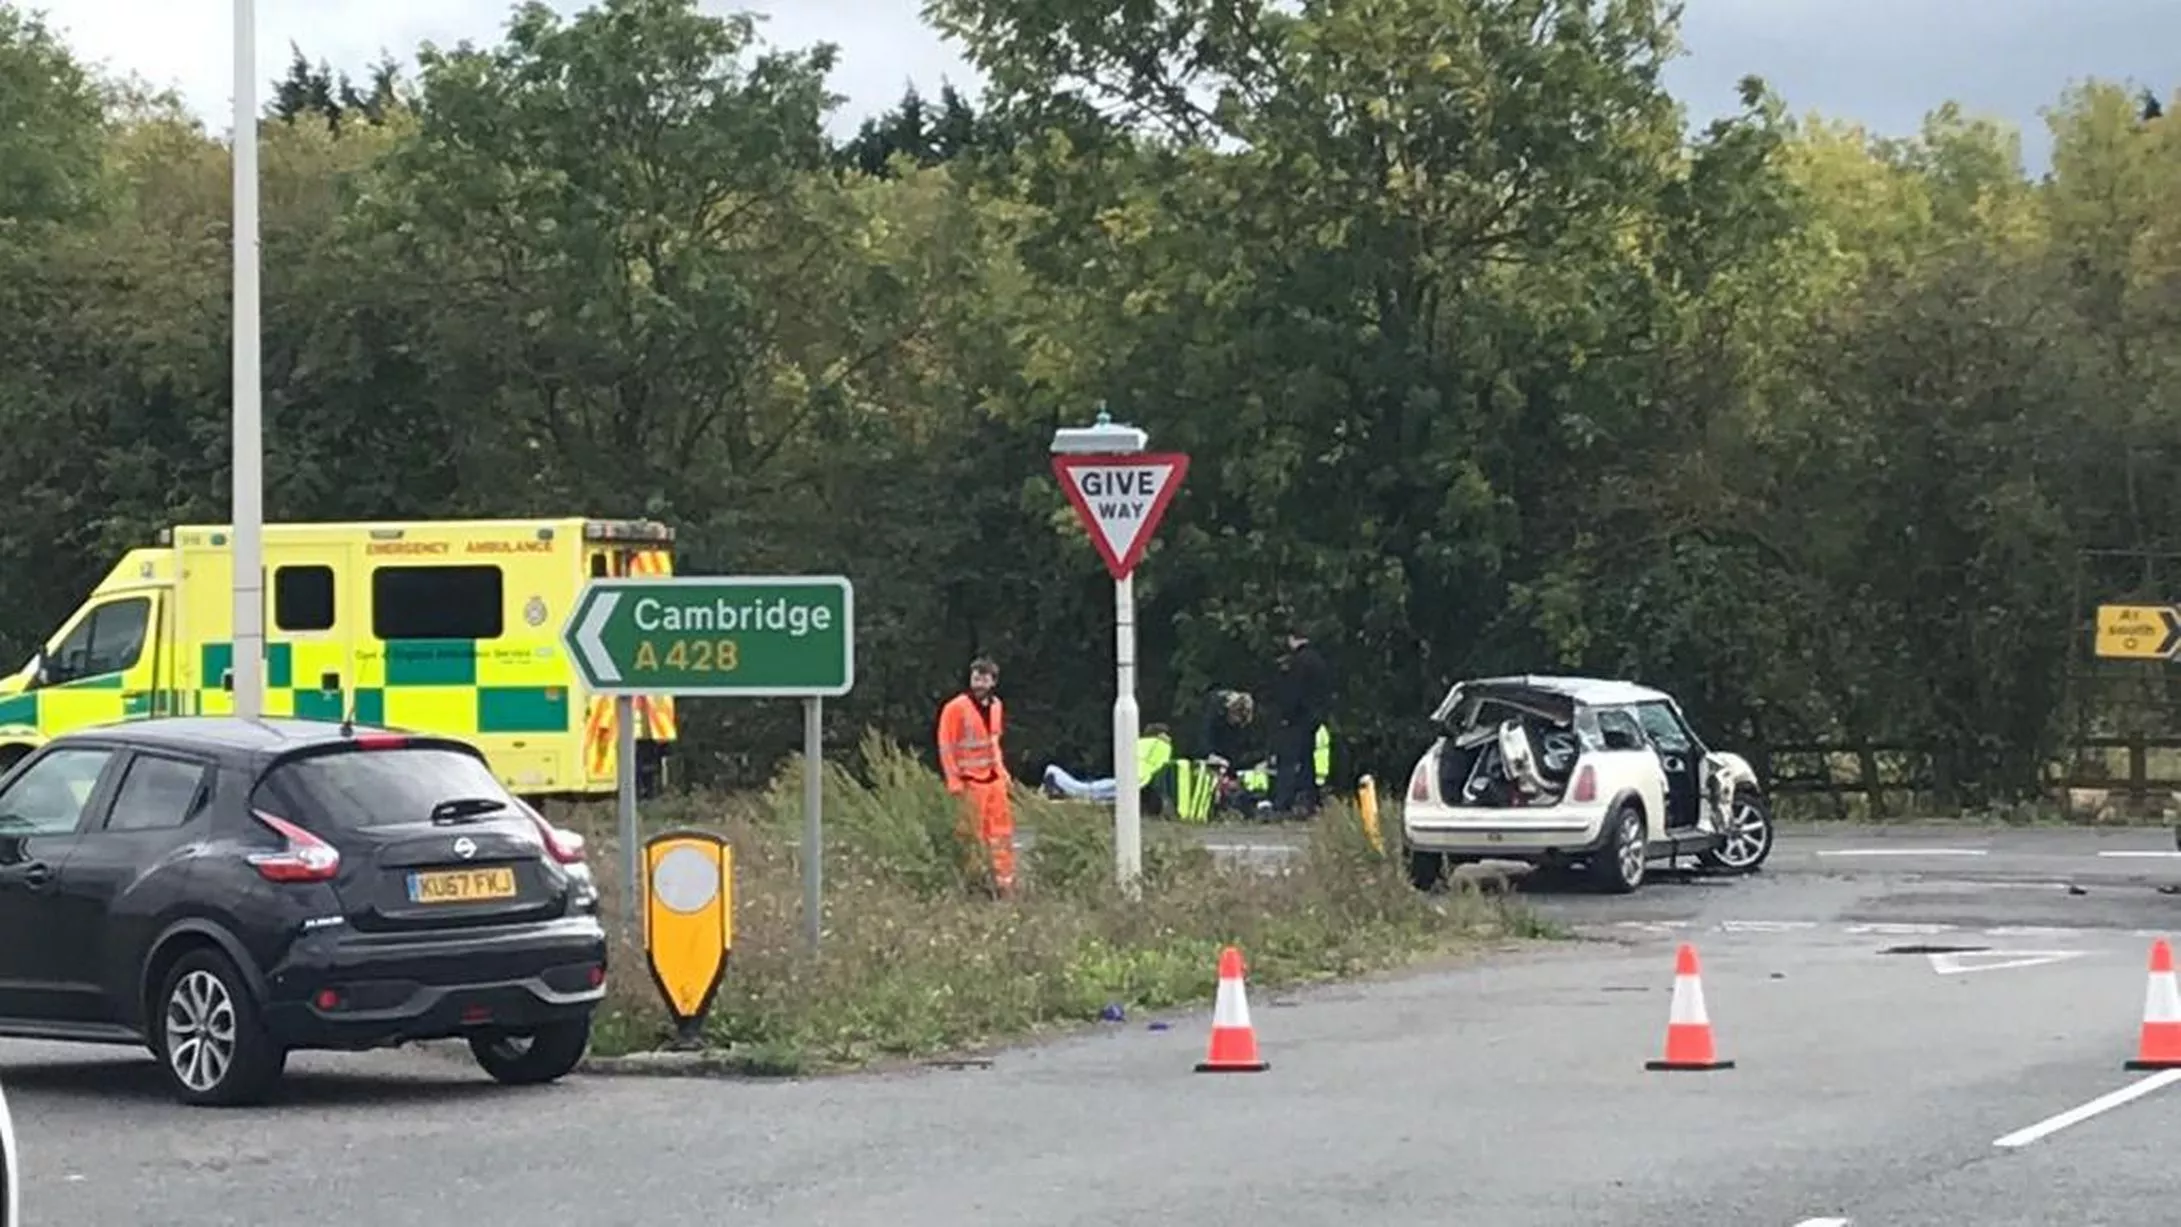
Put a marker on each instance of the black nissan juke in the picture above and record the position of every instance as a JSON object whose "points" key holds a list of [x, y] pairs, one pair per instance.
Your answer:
{"points": [[224, 891]]}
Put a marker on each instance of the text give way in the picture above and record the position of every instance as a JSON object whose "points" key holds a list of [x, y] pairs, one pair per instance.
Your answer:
{"points": [[1121, 500]]}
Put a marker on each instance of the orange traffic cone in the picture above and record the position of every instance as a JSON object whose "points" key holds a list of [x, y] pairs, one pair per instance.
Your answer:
{"points": [[2160, 1045], [1234, 1041], [1688, 1026]]}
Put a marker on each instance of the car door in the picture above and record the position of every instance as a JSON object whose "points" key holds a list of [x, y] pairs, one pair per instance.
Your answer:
{"points": [[129, 867], [1635, 762], [43, 810], [104, 668], [1681, 756]]}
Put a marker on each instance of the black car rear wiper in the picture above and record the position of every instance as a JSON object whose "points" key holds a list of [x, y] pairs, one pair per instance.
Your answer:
{"points": [[465, 809]]}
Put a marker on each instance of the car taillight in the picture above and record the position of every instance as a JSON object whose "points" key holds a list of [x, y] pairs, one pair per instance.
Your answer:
{"points": [[1586, 784], [306, 858], [1420, 779], [563, 846]]}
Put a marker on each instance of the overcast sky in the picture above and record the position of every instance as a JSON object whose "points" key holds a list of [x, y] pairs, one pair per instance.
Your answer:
{"points": [[1884, 62]]}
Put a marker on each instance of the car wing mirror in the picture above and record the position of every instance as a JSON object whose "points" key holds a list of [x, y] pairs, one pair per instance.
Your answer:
{"points": [[41, 668]]}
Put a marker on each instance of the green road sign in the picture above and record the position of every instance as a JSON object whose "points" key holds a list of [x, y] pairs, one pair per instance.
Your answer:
{"points": [[753, 636]]}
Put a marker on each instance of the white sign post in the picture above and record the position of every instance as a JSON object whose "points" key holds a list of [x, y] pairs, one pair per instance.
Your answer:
{"points": [[1120, 493], [11, 1181]]}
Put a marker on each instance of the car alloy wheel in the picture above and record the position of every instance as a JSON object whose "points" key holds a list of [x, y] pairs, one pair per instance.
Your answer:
{"points": [[1631, 850], [200, 1031], [1748, 834], [208, 1035]]}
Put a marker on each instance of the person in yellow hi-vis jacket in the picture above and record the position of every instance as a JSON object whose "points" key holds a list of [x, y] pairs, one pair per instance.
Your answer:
{"points": [[970, 728]]}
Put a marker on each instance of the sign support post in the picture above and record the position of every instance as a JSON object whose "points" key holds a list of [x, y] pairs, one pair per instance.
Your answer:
{"points": [[1120, 493], [10, 1175], [813, 819], [632, 854], [1128, 829]]}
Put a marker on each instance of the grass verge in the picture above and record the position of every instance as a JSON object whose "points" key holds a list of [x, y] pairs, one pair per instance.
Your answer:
{"points": [[916, 960]]}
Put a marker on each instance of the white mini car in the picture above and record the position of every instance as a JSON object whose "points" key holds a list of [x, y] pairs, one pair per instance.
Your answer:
{"points": [[1569, 770]]}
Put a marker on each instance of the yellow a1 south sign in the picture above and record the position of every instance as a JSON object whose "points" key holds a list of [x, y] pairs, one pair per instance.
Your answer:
{"points": [[2138, 632]]}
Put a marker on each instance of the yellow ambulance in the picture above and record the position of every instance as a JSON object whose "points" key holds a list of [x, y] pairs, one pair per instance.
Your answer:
{"points": [[435, 626]]}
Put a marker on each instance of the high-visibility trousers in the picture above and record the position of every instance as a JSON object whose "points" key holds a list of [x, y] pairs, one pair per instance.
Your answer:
{"points": [[988, 818]]}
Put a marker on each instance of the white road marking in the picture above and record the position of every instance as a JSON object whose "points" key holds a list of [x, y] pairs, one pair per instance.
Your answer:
{"points": [[2103, 1103], [1823, 1222], [2145, 854], [1903, 852], [1968, 961], [1828, 929]]}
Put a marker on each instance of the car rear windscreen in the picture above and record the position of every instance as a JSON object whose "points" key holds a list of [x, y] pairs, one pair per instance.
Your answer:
{"points": [[359, 789]]}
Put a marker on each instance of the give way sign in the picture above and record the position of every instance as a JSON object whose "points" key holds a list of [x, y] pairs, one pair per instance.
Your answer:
{"points": [[1120, 500]]}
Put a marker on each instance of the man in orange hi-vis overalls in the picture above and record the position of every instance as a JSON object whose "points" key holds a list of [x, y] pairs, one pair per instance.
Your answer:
{"points": [[969, 755]]}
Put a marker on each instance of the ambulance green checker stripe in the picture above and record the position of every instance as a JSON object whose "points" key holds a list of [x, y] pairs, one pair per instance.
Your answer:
{"points": [[408, 663], [23, 708], [500, 709], [444, 663]]}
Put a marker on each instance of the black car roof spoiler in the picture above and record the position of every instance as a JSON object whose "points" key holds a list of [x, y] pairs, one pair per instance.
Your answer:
{"points": [[364, 743]]}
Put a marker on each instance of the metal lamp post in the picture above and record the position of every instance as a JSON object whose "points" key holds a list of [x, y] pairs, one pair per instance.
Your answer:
{"points": [[249, 474]]}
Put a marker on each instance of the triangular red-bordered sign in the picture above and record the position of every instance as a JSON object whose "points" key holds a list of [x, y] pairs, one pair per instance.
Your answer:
{"points": [[1120, 499]]}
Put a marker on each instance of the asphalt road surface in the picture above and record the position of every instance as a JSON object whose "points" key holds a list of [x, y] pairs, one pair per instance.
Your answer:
{"points": [[1872, 1089]]}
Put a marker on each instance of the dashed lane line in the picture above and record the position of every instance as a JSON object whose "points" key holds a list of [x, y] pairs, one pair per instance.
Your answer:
{"points": [[1904, 852]]}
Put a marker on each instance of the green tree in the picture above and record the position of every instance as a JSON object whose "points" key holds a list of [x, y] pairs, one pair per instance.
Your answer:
{"points": [[612, 212], [51, 118]]}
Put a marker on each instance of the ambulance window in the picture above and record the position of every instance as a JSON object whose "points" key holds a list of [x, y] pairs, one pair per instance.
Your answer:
{"points": [[436, 603], [303, 598], [108, 641], [598, 564]]}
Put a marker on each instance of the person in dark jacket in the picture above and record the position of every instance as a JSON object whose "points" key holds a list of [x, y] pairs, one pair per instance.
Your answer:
{"points": [[1228, 746], [1303, 699], [1228, 715]]}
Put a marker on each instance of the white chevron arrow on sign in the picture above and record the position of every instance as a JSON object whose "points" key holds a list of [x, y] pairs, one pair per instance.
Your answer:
{"points": [[590, 646]]}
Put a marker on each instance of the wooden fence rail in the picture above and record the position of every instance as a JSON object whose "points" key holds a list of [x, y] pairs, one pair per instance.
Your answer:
{"points": [[2150, 771]]}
